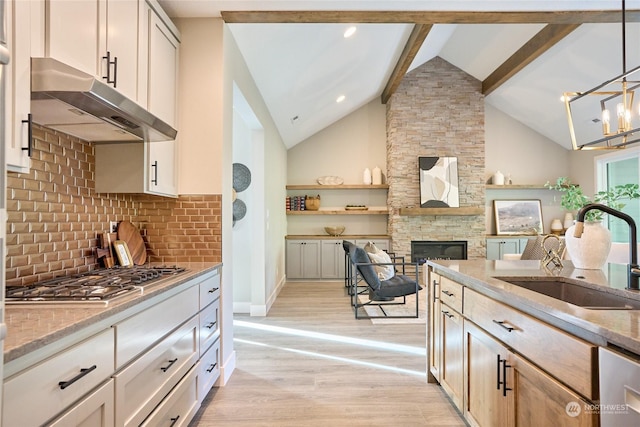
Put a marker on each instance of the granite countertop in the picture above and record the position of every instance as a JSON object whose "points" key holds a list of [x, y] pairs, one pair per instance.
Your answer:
{"points": [[601, 327], [34, 325]]}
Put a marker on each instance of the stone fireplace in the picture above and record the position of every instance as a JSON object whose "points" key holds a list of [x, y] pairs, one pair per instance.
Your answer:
{"points": [[438, 110]]}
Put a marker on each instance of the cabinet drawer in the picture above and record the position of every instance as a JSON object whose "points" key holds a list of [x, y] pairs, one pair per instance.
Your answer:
{"points": [[141, 331], [95, 410], [180, 405], [209, 370], [451, 294], [209, 325], [567, 358], [210, 290], [143, 384], [89, 363]]}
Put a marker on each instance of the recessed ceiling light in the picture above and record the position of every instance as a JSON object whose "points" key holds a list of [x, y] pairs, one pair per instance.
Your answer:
{"points": [[341, 98], [349, 32]]}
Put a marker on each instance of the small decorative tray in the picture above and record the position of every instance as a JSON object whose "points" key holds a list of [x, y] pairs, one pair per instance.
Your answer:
{"points": [[356, 208]]}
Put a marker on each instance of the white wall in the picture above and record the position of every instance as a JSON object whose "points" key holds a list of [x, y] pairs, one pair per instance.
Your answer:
{"points": [[530, 158], [513, 148], [343, 149], [270, 164]]}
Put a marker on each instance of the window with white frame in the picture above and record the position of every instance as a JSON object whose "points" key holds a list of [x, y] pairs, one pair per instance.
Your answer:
{"points": [[618, 168]]}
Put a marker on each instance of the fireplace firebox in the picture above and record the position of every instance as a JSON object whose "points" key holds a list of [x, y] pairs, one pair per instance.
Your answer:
{"points": [[422, 250]]}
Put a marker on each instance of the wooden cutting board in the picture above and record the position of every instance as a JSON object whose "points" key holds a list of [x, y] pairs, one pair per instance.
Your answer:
{"points": [[130, 234]]}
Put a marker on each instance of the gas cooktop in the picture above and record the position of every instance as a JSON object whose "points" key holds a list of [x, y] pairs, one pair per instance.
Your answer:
{"points": [[96, 287]]}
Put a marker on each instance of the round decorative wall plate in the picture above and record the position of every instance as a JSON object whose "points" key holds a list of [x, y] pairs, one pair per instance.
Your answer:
{"points": [[239, 210], [241, 177]]}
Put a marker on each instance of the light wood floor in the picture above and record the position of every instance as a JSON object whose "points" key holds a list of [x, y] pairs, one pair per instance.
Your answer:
{"points": [[310, 363]]}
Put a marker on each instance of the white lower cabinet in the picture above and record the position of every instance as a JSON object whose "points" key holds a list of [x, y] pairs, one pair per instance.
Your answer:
{"points": [[61, 379], [498, 247], [209, 366], [332, 259], [95, 410], [303, 259], [180, 405], [321, 258], [156, 322], [143, 385], [152, 367], [209, 321]]}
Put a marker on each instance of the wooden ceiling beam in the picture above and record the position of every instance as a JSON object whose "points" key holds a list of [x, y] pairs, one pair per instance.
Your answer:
{"points": [[411, 48], [539, 44], [427, 17]]}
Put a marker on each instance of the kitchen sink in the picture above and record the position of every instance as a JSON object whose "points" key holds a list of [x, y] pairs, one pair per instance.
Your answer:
{"points": [[573, 292]]}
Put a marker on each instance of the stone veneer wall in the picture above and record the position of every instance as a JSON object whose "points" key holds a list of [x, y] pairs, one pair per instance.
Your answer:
{"points": [[438, 110], [54, 215]]}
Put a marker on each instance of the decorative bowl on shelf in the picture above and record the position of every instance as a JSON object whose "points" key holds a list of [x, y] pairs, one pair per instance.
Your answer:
{"points": [[334, 230]]}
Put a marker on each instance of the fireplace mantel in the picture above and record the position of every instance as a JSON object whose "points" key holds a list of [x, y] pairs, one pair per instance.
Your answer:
{"points": [[463, 211]]}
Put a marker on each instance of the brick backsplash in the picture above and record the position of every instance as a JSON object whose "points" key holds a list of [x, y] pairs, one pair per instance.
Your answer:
{"points": [[438, 110], [55, 215]]}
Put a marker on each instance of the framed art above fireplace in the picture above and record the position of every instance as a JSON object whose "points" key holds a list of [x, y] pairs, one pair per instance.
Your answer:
{"points": [[438, 182]]}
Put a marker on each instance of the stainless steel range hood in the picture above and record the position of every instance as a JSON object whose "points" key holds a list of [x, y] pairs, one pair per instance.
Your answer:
{"points": [[74, 102]]}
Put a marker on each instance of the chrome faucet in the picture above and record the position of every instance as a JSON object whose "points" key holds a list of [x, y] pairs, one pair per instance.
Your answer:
{"points": [[633, 273]]}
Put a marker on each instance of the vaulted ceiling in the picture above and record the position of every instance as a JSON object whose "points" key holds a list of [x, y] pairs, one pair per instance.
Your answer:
{"points": [[526, 53]]}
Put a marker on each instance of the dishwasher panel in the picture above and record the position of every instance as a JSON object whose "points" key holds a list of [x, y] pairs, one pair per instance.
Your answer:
{"points": [[619, 389]]}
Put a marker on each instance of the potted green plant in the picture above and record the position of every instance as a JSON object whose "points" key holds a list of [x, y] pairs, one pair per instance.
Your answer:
{"points": [[574, 198], [591, 250]]}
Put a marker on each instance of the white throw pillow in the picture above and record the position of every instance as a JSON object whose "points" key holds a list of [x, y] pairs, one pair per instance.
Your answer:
{"points": [[385, 272]]}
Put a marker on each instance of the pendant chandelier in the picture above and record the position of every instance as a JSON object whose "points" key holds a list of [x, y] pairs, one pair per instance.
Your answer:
{"points": [[609, 104]]}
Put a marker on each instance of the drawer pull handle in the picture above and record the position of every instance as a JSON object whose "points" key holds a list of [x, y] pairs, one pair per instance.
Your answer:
{"points": [[213, 290], [502, 323], [29, 146], [212, 367], [446, 313], [211, 325], [174, 420], [498, 373], [171, 362], [447, 293], [83, 372], [435, 290], [504, 377]]}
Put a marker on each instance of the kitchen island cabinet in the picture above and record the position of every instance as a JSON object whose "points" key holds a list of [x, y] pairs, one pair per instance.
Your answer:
{"points": [[109, 360], [528, 359]]}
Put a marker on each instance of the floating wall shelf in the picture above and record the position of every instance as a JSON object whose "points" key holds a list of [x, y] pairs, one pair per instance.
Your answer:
{"points": [[340, 212], [338, 187], [464, 211]]}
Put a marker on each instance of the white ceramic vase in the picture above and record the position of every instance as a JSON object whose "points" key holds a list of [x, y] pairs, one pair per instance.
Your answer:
{"points": [[589, 252]]}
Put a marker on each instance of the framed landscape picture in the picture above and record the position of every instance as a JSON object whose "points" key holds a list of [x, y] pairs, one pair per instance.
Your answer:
{"points": [[518, 216]]}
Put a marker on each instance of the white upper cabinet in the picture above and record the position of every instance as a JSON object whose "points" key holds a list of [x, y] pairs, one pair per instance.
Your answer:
{"points": [[148, 167], [121, 46], [18, 86], [163, 70], [98, 37], [72, 32], [162, 82]]}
